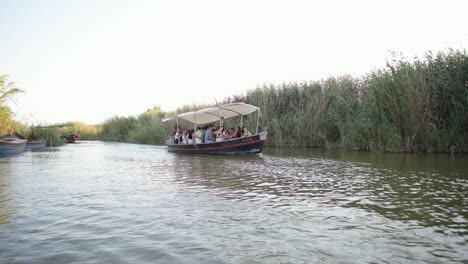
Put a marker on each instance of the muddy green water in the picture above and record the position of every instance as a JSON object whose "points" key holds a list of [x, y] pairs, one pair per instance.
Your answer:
{"points": [[97, 202]]}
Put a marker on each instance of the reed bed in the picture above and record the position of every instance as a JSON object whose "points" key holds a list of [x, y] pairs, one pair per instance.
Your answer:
{"points": [[419, 105], [52, 135], [146, 128]]}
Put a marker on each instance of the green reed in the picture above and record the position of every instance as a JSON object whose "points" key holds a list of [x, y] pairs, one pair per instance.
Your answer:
{"points": [[420, 105], [411, 105], [146, 128], [52, 135]]}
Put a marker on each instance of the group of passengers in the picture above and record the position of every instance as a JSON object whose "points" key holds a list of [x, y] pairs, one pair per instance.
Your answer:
{"points": [[207, 134]]}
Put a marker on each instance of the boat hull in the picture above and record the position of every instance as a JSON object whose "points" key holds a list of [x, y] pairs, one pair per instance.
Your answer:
{"points": [[12, 146], [72, 138], [35, 145], [244, 145]]}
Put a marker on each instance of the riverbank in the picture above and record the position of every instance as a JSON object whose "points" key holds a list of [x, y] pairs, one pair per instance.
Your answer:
{"points": [[410, 106], [418, 105]]}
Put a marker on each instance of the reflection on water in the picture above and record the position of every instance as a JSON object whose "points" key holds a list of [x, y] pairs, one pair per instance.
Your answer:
{"points": [[5, 212], [426, 196], [105, 202]]}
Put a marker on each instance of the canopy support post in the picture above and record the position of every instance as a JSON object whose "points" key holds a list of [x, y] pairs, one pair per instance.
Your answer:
{"points": [[258, 119], [195, 130], [220, 117]]}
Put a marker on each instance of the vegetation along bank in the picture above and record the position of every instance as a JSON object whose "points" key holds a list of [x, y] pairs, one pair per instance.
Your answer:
{"points": [[410, 106]]}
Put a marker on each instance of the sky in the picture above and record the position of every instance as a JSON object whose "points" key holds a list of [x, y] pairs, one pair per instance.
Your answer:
{"points": [[90, 60]]}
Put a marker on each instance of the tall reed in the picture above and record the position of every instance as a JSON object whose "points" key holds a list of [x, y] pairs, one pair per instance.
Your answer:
{"points": [[146, 128], [420, 105], [417, 105]]}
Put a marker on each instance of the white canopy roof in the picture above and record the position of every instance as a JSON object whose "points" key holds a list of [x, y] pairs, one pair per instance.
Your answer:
{"points": [[213, 114]]}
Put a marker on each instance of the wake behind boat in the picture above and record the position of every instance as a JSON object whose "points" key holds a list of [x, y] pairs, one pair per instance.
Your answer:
{"points": [[246, 144]]}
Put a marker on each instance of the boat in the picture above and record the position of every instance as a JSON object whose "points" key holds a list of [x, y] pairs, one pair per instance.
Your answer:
{"points": [[72, 138], [244, 145], [36, 144], [11, 144]]}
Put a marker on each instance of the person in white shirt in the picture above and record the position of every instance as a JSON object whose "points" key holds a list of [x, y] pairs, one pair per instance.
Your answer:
{"points": [[198, 136], [190, 136], [219, 134], [184, 137]]}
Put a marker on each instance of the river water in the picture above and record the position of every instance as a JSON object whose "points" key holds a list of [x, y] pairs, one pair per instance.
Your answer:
{"points": [[96, 202]]}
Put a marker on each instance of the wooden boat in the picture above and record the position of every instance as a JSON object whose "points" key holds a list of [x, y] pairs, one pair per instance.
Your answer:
{"points": [[36, 144], [244, 145], [12, 145], [72, 138]]}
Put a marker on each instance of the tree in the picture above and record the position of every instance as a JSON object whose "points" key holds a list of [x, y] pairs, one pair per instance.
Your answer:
{"points": [[7, 91]]}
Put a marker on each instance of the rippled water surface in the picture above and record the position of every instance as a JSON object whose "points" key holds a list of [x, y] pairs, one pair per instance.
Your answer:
{"points": [[99, 202]]}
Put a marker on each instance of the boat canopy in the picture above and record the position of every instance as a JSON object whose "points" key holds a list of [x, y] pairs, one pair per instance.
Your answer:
{"points": [[213, 114]]}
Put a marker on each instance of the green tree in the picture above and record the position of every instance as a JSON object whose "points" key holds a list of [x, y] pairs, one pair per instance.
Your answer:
{"points": [[7, 91]]}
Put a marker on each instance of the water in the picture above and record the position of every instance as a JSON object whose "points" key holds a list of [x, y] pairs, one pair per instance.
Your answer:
{"points": [[99, 202]]}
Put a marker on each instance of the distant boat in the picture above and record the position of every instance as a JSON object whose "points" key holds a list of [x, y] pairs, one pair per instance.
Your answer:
{"points": [[72, 138], [35, 144], [12, 145], [243, 145]]}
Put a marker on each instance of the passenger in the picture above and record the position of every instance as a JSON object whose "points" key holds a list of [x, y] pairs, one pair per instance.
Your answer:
{"points": [[239, 132], [219, 134], [229, 132], [198, 136], [209, 135], [190, 136], [184, 137], [205, 129], [177, 136], [213, 136], [214, 133], [194, 136], [233, 133], [245, 132]]}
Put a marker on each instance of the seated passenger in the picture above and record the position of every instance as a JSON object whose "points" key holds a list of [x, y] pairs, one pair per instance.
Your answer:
{"points": [[194, 136], [239, 132], [245, 132], [190, 136], [209, 135], [198, 136], [177, 136], [219, 134], [233, 133], [204, 131], [225, 134], [184, 137]]}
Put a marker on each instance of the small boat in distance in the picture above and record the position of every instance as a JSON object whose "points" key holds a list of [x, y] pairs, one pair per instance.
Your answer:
{"points": [[36, 144], [11, 144], [241, 145], [72, 138]]}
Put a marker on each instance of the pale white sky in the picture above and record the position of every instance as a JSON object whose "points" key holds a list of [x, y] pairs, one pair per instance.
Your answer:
{"points": [[89, 60]]}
